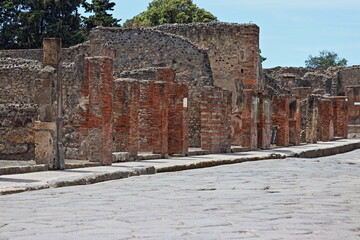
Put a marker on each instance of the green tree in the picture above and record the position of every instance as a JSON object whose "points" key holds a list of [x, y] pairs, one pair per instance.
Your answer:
{"points": [[170, 11], [325, 59], [50, 18], [100, 17], [9, 23]]}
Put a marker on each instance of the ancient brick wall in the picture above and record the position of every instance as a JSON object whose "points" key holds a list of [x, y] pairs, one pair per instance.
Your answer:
{"points": [[353, 94], [142, 48], [233, 50], [215, 119], [17, 134]]}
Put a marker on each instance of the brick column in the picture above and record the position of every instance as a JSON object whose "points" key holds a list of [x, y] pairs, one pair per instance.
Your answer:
{"points": [[309, 122], [100, 123], [264, 122], [341, 116], [249, 119], [178, 119], [153, 117], [215, 119], [126, 112], [280, 117], [326, 126], [160, 125], [294, 122]]}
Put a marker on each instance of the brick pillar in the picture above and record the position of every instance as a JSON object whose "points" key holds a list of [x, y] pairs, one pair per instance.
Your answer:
{"points": [[100, 123], [215, 119], [160, 125], [310, 112], [126, 112], [340, 116], [264, 122], [153, 117], [178, 119], [294, 122], [249, 117], [326, 124], [280, 117]]}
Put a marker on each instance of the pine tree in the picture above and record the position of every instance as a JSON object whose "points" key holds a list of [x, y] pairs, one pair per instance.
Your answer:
{"points": [[50, 18], [9, 23], [100, 17]]}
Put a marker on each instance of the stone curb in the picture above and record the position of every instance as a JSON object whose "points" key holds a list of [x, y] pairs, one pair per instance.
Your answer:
{"points": [[84, 180], [23, 169], [323, 152], [215, 163]]}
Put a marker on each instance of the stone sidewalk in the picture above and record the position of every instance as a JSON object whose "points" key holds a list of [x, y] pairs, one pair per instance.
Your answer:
{"points": [[51, 179]]}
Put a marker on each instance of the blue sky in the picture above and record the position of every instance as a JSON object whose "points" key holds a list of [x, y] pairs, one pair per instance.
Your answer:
{"points": [[290, 30]]}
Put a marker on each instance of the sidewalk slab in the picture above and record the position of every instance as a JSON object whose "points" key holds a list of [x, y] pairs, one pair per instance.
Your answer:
{"points": [[50, 179]]}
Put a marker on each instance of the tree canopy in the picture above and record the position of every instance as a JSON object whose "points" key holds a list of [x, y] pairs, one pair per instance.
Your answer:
{"points": [[325, 59], [24, 23], [100, 17], [170, 11]]}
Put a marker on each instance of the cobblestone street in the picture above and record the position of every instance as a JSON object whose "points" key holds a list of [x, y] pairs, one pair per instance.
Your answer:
{"points": [[275, 199]]}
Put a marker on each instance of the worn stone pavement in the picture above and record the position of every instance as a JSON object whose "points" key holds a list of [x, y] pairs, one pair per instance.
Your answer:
{"points": [[291, 198], [52, 179]]}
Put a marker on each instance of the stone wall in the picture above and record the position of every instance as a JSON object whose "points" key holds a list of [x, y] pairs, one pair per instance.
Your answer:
{"points": [[26, 82], [353, 94], [332, 80], [30, 54], [17, 138], [233, 51]]}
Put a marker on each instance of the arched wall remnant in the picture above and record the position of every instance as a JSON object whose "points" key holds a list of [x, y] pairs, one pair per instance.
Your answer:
{"points": [[142, 48]]}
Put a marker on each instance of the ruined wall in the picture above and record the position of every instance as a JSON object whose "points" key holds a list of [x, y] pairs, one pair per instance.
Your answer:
{"points": [[30, 54], [331, 80], [25, 81], [17, 134], [142, 48], [353, 94], [233, 50], [348, 76]]}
